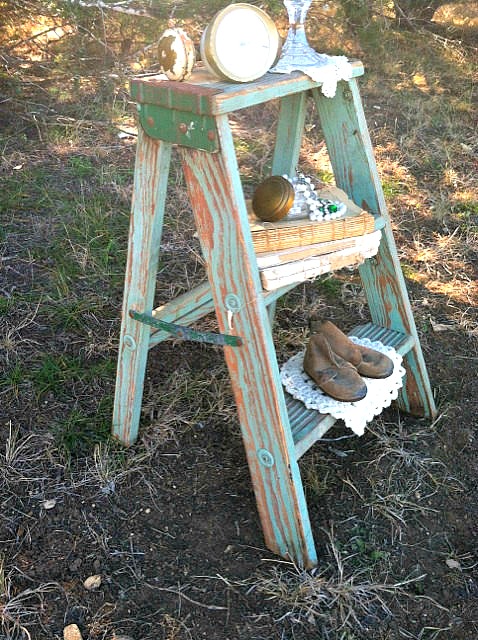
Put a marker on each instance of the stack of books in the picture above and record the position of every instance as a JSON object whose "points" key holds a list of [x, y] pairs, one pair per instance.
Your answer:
{"points": [[291, 251]]}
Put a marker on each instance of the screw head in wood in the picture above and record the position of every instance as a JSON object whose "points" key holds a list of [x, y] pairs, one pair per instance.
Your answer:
{"points": [[232, 302], [265, 458], [129, 342]]}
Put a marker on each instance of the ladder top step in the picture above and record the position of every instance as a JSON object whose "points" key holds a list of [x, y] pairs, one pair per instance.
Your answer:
{"points": [[204, 94]]}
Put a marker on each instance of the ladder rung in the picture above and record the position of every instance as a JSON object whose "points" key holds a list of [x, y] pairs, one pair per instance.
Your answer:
{"points": [[309, 425], [194, 305]]}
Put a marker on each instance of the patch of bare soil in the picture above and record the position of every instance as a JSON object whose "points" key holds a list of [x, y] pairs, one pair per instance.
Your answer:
{"points": [[172, 530]]}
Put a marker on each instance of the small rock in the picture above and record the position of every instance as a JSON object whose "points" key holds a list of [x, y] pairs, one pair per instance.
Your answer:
{"points": [[71, 632], [49, 504], [438, 327], [75, 565], [92, 582], [108, 488], [452, 564]]}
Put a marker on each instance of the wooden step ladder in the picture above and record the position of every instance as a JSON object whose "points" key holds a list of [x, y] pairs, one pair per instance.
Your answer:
{"points": [[276, 429]]}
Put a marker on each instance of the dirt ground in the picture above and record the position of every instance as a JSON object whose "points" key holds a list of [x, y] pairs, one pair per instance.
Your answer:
{"points": [[170, 526]]}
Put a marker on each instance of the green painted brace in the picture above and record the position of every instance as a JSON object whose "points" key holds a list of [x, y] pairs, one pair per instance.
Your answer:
{"points": [[179, 127], [186, 333]]}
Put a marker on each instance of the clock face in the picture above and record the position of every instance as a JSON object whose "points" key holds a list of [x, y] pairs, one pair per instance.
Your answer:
{"points": [[240, 44]]}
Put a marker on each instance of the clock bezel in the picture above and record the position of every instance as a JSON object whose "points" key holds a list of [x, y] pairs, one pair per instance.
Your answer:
{"points": [[208, 45]]}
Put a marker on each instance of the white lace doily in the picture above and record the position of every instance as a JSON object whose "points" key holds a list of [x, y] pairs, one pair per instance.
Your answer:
{"points": [[380, 393], [328, 71]]}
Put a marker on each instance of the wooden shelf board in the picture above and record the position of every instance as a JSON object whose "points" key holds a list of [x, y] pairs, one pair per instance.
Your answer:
{"points": [[307, 425]]}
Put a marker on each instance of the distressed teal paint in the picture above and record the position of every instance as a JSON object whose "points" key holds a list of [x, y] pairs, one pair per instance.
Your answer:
{"points": [[308, 432], [185, 309], [401, 342], [351, 154], [129, 342], [276, 429], [194, 305], [267, 88], [147, 212], [232, 302], [221, 218], [204, 94], [265, 458], [174, 95], [290, 130]]}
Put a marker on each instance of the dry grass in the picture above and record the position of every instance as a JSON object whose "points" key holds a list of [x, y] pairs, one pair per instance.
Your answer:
{"points": [[406, 490], [22, 610], [336, 598]]}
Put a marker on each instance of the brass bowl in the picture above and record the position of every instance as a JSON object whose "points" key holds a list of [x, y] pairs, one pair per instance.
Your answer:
{"points": [[176, 54], [273, 199]]}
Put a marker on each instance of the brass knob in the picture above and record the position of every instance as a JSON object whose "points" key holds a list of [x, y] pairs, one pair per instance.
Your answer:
{"points": [[273, 199]]}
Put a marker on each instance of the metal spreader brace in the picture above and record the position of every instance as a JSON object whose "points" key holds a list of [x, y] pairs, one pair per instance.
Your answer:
{"points": [[186, 333]]}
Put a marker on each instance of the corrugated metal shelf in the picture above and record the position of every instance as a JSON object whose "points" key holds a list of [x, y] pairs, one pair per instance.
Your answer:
{"points": [[309, 425]]}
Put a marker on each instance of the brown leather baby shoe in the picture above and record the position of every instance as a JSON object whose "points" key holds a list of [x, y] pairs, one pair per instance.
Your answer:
{"points": [[368, 362], [336, 377]]}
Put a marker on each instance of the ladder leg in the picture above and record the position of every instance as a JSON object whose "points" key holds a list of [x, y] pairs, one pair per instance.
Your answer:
{"points": [[290, 130], [221, 218], [351, 154], [147, 212]]}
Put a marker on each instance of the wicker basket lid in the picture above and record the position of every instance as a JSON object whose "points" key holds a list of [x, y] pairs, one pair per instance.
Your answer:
{"points": [[273, 198]]}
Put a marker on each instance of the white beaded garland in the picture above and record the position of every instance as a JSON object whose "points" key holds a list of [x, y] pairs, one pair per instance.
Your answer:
{"points": [[307, 203]]}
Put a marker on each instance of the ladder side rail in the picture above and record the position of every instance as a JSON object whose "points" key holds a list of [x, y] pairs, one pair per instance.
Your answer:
{"points": [[351, 154], [290, 130], [220, 211], [146, 221]]}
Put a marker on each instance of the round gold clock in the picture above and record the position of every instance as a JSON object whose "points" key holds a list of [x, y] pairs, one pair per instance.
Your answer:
{"points": [[240, 43]]}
